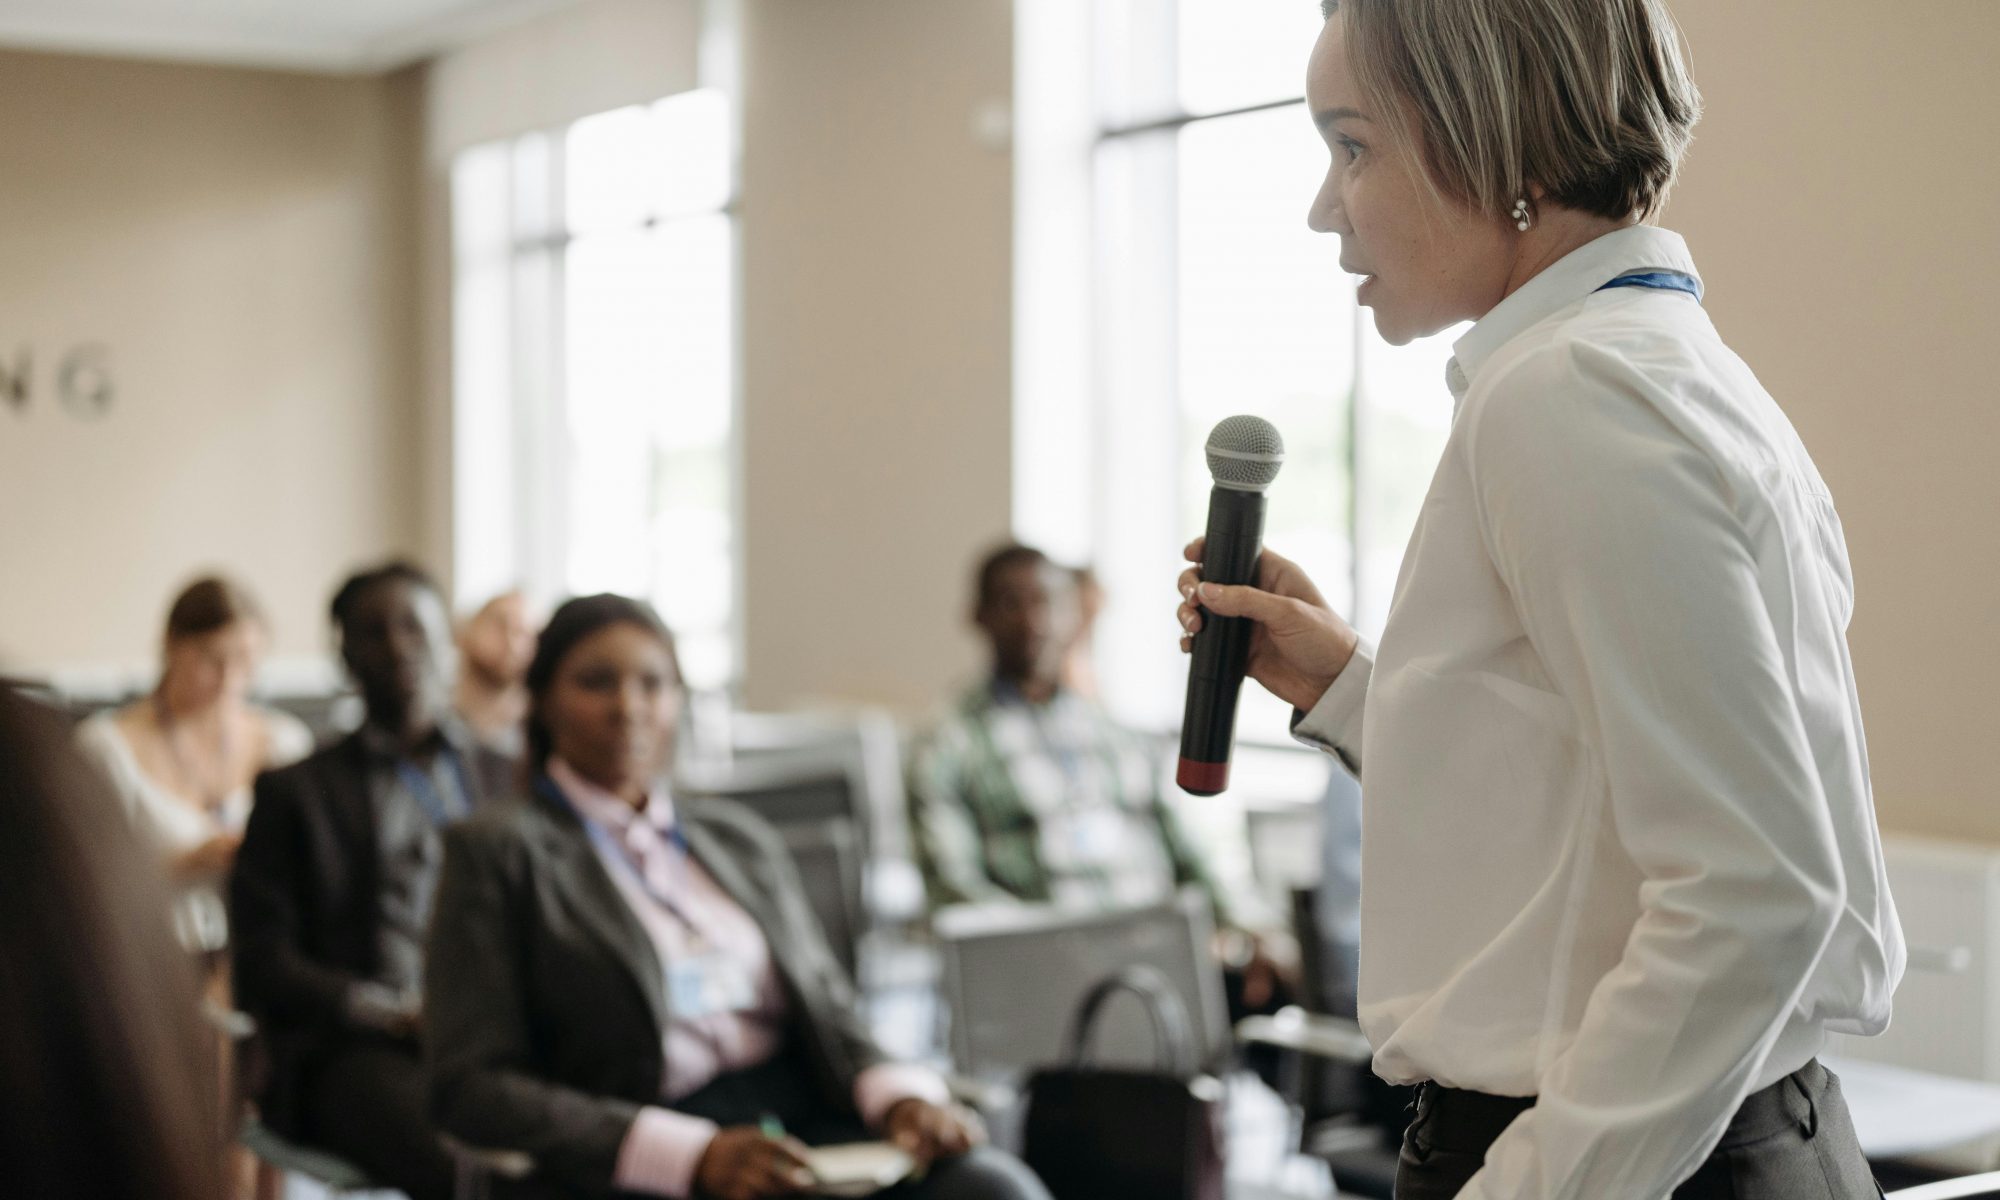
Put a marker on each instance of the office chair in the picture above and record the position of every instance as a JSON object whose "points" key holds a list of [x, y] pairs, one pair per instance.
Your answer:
{"points": [[828, 857], [279, 1156], [866, 745], [1013, 976], [1348, 1118], [1971, 1187], [473, 1168], [815, 810]]}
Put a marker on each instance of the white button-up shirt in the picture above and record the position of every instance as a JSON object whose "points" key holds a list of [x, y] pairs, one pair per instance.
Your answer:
{"points": [[1619, 849]]}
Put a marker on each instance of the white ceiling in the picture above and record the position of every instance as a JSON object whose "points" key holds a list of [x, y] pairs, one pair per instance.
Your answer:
{"points": [[311, 35]]}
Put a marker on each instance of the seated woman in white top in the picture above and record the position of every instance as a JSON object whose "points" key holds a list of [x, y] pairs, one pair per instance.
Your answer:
{"points": [[182, 757]]}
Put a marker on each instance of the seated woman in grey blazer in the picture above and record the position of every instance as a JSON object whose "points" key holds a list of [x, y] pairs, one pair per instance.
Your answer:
{"points": [[629, 986]]}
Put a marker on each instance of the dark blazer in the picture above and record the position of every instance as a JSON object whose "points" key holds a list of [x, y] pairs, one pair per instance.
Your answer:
{"points": [[545, 1003], [304, 898]]}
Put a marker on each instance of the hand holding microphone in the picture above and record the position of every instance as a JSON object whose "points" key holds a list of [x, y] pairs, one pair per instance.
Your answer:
{"points": [[1268, 620], [1299, 645]]}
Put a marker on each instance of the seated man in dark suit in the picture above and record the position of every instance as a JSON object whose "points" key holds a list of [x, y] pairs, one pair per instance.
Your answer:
{"points": [[333, 884]]}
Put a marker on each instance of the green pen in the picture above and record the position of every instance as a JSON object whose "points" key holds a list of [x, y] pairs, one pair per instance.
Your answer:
{"points": [[771, 1127]]}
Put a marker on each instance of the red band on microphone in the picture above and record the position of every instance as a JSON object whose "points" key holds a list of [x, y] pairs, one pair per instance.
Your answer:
{"points": [[1202, 778]]}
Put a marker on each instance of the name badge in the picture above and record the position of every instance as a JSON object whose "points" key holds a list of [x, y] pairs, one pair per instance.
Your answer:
{"points": [[707, 985], [1097, 835]]}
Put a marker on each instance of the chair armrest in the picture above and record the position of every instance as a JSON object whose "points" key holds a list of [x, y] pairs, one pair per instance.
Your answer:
{"points": [[1972, 1187], [1302, 1032], [504, 1164]]}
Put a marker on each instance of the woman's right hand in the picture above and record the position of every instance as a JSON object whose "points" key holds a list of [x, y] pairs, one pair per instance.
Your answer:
{"points": [[1298, 646], [743, 1163]]}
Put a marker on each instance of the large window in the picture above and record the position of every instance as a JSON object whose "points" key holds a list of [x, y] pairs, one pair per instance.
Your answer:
{"points": [[594, 349], [1167, 164]]}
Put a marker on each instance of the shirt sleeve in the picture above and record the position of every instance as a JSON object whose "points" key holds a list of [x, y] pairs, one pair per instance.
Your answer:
{"points": [[947, 838], [661, 1151], [1632, 558], [885, 1085], [1334, 723]]}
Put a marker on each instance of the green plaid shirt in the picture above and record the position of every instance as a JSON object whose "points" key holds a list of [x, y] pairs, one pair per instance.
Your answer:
{"points": [[1044, 802]]}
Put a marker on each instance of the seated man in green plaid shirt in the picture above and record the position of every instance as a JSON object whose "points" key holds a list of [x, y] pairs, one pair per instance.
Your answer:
{"points": [[1028, 791]]}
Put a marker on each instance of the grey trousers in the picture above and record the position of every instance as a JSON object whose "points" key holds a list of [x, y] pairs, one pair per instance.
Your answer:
{"points": [[1790, 1141]]}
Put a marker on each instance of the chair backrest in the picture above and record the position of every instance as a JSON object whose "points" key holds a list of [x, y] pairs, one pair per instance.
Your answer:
{"points": [[1972, 1187], [828, 856], [863, 744], [1014, 976], [814, 810]]}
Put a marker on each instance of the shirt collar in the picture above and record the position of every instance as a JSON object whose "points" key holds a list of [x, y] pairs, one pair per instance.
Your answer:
{"points": [[1559, 285], [605, 809], [1005, 693], [450, 734]]}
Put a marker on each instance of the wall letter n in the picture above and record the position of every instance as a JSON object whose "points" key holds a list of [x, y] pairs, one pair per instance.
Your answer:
{"points": [[14, 381]]}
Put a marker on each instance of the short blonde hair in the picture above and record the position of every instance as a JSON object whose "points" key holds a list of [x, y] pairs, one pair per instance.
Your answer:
{"points": [[1588, 99]]}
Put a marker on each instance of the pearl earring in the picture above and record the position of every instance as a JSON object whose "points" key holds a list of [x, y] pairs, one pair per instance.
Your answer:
{"points": [[1521, 218]]}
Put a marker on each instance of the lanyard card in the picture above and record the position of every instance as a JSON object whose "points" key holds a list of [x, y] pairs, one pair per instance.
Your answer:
{"points": [[1098, 835], [707, 985]]}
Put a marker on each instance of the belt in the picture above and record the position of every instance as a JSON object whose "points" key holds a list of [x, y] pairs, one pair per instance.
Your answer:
{"points": [[1455, 1120]]}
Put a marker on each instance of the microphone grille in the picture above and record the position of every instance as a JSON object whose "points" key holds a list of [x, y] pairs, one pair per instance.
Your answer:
{"points": [[1245, 453]]}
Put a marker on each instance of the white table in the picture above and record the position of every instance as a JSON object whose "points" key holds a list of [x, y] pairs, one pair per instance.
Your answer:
{"points": [[1899, 1112]]}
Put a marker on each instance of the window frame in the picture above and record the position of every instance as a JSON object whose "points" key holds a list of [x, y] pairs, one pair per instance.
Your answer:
{"points": [[533, 260]]}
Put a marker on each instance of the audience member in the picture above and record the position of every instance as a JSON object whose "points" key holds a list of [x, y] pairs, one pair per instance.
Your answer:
{"points": [[110, 1092], [182, 758], [333, 884], [1028, 791], [494, 646], [630, 987]]}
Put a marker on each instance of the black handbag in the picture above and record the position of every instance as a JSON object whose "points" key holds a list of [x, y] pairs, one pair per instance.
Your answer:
{"points": [[1104, 1133]]}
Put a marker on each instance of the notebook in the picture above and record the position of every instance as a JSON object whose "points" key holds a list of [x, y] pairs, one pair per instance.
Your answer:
{"points": [[858, 1169]]}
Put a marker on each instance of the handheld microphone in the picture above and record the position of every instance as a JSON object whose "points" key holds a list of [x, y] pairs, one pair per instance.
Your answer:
{"points": [[1244, 454]]}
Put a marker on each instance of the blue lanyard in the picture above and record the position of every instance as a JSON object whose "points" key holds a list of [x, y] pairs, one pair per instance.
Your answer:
{"points": [[609, 847], [1068, 759], [1665, 281], [420, 784]]}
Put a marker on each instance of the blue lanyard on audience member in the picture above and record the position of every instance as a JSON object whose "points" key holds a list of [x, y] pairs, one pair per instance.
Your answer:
{"points": [[1665, 281], [421, 785], [612, 848]]}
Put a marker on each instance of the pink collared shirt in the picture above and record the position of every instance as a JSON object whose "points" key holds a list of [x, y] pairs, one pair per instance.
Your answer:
{"points": [[663, 1147]]}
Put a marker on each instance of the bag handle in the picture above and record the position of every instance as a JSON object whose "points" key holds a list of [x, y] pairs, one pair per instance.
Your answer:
{"points": [[1173, 1039]]}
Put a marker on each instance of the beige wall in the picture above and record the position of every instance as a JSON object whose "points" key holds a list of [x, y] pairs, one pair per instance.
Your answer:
{"points": [[876, 251], [1843, 199], [242, 242]]}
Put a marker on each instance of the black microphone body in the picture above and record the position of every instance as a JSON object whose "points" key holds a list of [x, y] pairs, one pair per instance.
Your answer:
{"points": [[1234, 543]]}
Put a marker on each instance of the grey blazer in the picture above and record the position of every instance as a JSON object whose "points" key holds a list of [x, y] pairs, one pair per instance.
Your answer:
{"points": [[545, 1000]]}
